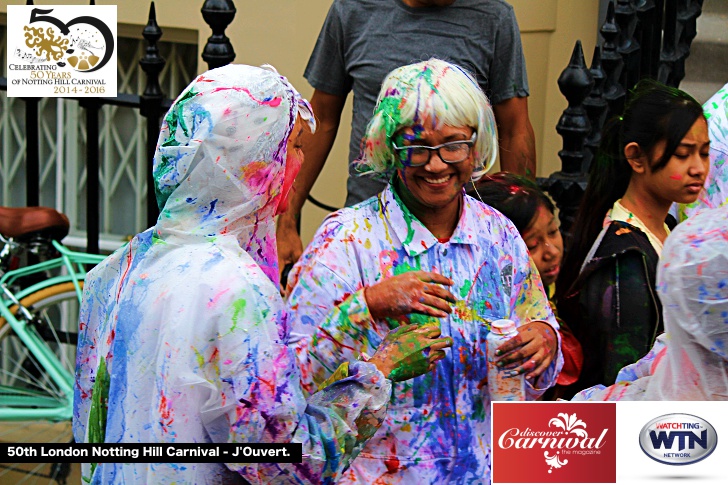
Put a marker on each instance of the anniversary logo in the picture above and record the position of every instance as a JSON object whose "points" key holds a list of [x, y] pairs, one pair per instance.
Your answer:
{"points": [[561, 443], [61, 51]]}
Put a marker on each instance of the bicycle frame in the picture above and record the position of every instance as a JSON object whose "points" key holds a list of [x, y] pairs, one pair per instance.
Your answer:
{"points": [[70, 264]]}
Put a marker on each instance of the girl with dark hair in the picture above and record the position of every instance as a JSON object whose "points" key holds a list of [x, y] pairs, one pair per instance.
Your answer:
{"points": [[532, 212], [655, 154]]}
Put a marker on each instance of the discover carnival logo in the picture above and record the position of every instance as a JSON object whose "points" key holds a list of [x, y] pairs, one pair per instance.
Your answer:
{"points": [[572, 442], [61, 50], [678, 439]]}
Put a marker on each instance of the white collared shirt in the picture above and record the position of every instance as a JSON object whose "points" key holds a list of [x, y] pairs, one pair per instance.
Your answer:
{"points": [[437, 429]]}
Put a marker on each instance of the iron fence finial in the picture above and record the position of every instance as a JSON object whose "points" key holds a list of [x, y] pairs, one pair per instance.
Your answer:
{"points": [[218, 50]]}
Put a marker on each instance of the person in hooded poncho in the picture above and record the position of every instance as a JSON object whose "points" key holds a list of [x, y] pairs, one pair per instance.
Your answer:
{"points": [[183, 331], [689, 362]]}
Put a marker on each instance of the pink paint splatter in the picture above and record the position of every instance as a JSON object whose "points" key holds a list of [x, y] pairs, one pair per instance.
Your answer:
{"points": [[273, 103], [213, 301], [126, 271]]}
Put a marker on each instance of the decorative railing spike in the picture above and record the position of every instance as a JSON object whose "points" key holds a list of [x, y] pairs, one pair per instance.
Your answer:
{"points": [[218, 50], [669, 55], [567, 186], [626, 17], [649, 36], [612, 63], [688, 12], [640, 39], [151, 101], [596, 108]]}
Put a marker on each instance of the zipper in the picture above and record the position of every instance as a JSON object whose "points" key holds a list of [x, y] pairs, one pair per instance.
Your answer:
{"points": [[654, 303]]}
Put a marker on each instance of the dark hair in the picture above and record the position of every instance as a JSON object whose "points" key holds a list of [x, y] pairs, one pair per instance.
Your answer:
{"points": [[654, 113], [517, 197]]}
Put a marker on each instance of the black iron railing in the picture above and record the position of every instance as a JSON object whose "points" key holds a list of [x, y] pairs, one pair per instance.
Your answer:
{"points": [[152, 104], [640, 39]]}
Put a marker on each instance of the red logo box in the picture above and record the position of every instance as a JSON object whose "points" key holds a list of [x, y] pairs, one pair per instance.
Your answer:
{"points": [[538, 442]]}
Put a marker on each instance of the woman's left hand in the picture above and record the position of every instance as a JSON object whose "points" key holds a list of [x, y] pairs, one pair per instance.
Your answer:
{"points": [[531, 352]]}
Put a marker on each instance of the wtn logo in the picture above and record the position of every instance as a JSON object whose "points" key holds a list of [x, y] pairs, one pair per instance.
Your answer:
{"points": [[678, 439], [665, 439]]}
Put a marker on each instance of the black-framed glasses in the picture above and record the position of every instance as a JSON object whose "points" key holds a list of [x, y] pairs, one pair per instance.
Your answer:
{"points": [[450, 152]]}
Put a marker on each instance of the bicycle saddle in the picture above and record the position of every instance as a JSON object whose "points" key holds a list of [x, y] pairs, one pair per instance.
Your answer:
{"points": [[25, 222]]}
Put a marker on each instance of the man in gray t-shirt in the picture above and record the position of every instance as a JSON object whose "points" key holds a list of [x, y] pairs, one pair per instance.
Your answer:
{"points": [[361, 41]]}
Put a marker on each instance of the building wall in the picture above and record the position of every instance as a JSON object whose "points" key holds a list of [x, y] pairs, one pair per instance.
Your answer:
{"points": [[283, 32]]}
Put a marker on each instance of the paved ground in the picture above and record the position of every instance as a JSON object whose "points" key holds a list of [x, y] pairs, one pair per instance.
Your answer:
{"points": [[28, 432]]}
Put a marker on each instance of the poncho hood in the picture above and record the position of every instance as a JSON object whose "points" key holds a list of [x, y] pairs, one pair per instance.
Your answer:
{"points": [[220, 159], [693, 286]]}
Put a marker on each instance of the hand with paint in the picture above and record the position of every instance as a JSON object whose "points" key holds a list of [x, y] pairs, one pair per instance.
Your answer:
{"points": [[289, 242], [410, 351], [531, 352], [414, 292]]}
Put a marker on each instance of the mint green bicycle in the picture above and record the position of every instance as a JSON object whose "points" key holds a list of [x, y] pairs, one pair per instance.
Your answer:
{"points": [[41, 282]]}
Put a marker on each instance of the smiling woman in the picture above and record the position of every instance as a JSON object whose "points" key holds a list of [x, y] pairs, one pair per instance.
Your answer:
{"points": [[424, 252]]}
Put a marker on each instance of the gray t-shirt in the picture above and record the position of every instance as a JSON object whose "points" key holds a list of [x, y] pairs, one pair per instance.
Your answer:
{"points": [[361, 41]]}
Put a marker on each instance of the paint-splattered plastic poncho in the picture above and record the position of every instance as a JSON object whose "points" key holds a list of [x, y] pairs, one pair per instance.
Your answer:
{"points": [[715, 192], [437, 429], [690, 361], [182, 330]]}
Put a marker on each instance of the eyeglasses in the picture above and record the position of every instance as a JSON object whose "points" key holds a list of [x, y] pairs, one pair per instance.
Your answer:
{"points": [[419, 155]]}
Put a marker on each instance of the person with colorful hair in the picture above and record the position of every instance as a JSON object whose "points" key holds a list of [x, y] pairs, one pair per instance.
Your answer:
{"points": [[654, 154], [183, 331], [362, 41], [690, 361], [422, 251]]}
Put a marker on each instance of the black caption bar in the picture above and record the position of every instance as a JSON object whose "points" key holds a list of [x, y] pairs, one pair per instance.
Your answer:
{"points": [[152, 453]]}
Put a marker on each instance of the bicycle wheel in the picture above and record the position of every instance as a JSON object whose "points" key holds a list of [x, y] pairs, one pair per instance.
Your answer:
{"points": [[55, 320]]}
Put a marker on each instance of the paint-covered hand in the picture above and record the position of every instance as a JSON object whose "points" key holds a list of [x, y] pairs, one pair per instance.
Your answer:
{"points": [[289, 242], [530, 352], [414, 292], [410, 351]]}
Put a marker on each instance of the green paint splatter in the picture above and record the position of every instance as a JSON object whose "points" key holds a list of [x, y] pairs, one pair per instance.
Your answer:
{"points": [[165, 165], [414, 318], [625, 350], [419, 319], [238, 309], [409, 218], [465, 289], [409, 369], [200, 359], [99, 408], [176, 120]]}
